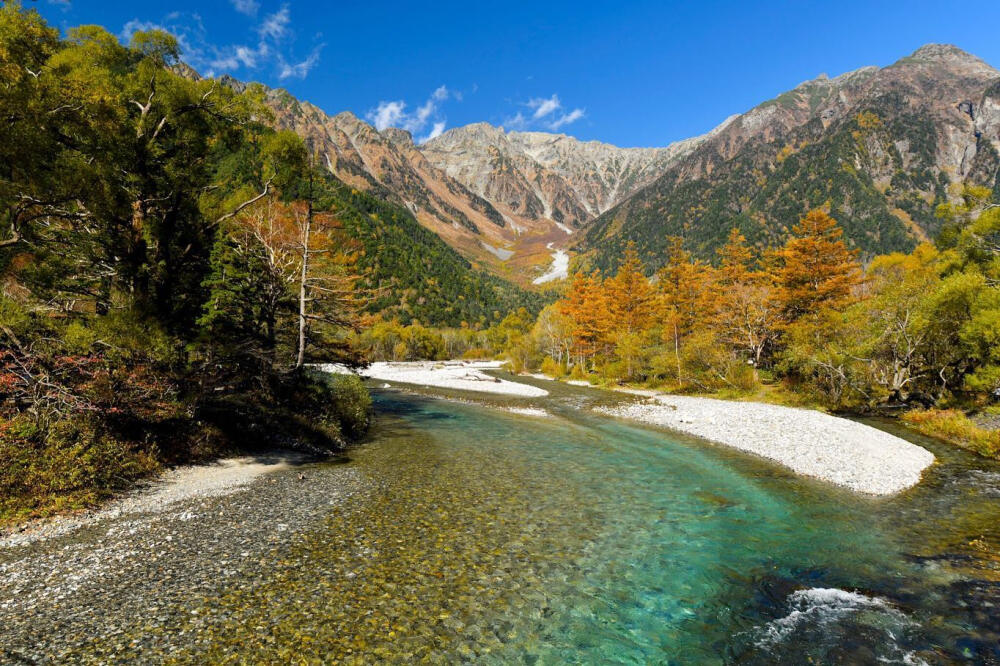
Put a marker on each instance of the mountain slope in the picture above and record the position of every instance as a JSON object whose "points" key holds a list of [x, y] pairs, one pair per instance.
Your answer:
{"points": [[502, 199], [550, 176], [880, 147], [413, 274]]}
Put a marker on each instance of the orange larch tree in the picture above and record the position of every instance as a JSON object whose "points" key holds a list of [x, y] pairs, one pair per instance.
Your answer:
{"points": [[748, 309], [817, 269], [586, 305], [687, 297], [631, 304]]}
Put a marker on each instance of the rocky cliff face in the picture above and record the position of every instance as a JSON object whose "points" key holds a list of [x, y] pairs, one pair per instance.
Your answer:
{"points": [[548, 176], [881, 148]]}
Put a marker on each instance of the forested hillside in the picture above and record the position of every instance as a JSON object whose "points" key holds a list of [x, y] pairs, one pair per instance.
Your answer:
{"points": [[411, 274], [879, 148], [799, 322]]}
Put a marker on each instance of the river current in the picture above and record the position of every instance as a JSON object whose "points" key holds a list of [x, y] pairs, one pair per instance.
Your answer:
{"points": [[575, 538]]}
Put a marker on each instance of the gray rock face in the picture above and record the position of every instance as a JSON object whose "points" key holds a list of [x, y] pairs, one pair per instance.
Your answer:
{"points": [[552, 176]]}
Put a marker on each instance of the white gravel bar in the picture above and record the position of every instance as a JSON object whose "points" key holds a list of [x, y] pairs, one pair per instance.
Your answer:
{"points": [[456, 375], [811, 443], [179, 484]]}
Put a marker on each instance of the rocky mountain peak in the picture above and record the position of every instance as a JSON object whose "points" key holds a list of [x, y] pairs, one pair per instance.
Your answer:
{"points": [[948, 52], [400, 137], [474, 134], [948, 57], [346, 117]]}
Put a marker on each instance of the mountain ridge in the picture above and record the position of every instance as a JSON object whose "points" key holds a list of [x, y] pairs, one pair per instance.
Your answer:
{"points": [[879, 147], [505, 198]]}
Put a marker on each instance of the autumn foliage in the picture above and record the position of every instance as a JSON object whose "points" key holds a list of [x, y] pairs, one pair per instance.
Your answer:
{"points": [[707, 325]]}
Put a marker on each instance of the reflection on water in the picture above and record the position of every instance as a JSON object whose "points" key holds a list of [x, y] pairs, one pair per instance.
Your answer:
{"points": [[495, 537]]}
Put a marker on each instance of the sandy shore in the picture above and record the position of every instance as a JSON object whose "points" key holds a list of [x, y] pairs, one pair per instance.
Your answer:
{"points": [[456, 375], [811, 443]]}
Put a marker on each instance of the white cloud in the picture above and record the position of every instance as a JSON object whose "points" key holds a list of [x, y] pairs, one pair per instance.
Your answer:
{"points": [[248, 7], [566, 119], [387, 114], [544, 107], [516, 122], [436, 131], [547, 112], [394, 114], [300, 69], [248, 56], [275, 26], [269, 47]]}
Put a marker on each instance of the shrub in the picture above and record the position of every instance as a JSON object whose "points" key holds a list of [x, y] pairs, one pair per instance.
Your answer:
{"points": [[552, 368], [955, 427], [70, 465], [350, 405]]}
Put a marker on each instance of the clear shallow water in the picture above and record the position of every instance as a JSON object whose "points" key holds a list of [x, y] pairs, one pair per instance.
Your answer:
{"points": [[495, 538]]}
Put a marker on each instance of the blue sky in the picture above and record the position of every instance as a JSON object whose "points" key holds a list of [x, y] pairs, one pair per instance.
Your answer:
{"points": [[629, 73]]}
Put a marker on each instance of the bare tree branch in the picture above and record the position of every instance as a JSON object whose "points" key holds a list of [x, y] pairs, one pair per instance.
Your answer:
{"points": [[236, 211]]}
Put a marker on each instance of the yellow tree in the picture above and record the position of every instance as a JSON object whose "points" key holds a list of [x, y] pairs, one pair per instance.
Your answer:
{"points": [[686, 296], [817, 269], [748, 311], [630, 307], [586, 307]]}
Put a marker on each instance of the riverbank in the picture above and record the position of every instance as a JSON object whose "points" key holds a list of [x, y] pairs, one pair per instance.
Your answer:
{"points": [[75, 464], [981, 436], [134, 584], [184, 483], [808, 442], [457, 375]]}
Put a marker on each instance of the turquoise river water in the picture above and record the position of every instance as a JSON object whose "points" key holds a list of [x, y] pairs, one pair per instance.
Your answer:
{"points": [[464, 533], [500, 537]]}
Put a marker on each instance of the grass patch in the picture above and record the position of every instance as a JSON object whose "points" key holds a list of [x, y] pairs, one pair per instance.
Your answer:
{"points": [[955, 427]]}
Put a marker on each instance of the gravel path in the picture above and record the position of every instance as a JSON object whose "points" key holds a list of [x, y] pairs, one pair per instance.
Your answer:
{"points": [[808, 442], [118, 585]]}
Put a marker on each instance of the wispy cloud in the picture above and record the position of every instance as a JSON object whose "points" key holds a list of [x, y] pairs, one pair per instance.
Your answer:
{"points": [[275, 26], [544, 107], [546, 112], [516, 122], [248, 7], [566, 119], [301, 69], [393, 113], [268, 47], [436, 131]]}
